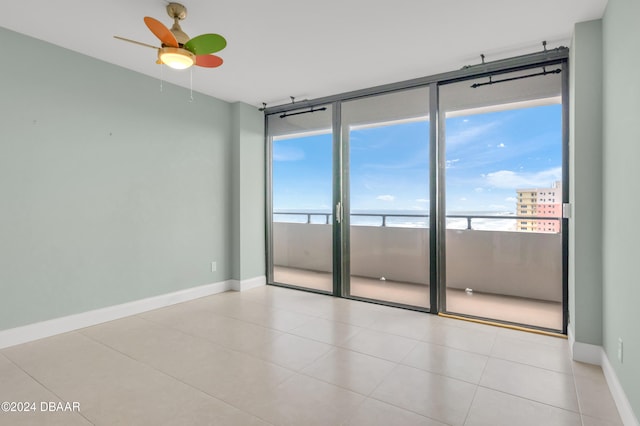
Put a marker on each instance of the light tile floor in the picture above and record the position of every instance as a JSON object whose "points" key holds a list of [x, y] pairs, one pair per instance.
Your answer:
{"points": [[283, 357]]}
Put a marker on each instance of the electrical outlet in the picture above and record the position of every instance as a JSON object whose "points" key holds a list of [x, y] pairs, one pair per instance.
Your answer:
{"points": [[620, 349], [214, 266]]}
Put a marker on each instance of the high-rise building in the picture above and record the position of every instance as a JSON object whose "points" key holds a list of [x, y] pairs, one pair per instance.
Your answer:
{"points": [[540, 202]]}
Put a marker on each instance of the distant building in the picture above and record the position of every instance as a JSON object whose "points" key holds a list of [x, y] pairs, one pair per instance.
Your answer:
{"points": [[540, 202]]}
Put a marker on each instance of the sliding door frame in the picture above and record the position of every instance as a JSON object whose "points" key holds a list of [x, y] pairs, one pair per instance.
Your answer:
{"points": [[269, 246], [564, 221], [341, 221], [437, 211], [565, 196], [268, 204], [437, 216]]}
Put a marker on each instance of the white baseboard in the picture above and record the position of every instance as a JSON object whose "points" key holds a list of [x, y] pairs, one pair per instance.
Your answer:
{"points": [[244, 285], [594, 354], [585, 352], [619, 396], [40, 330]]}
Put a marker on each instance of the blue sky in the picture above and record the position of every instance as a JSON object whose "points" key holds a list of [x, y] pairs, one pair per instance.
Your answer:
{"points": [[488, 156]]}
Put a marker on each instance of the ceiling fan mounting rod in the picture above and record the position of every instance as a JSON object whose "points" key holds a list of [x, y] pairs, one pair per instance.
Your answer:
{"points": [[178, 12]]}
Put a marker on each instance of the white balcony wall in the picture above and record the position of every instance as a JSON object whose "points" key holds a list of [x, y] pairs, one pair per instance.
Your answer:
{"points": [[522, 264], [303, 246], [508, 263], [398, 254]]}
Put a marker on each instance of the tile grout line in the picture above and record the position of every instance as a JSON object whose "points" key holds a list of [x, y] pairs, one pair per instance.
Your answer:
{"points": [[475, 391], [531, 365], [575, 386], [397, 406], [526, 398], [529, 399], [301, 372]]}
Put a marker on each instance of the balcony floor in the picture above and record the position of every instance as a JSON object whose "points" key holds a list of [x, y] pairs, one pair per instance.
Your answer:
{"points": [[491, 306]]}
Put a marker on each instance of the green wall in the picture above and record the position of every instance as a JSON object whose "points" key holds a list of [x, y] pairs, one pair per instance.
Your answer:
{"points": [[585, 192], [621, 203], [248, 194], [111, 190]]}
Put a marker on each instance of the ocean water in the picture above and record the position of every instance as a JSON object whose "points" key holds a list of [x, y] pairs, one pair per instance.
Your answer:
{"points": [[504, 221]]}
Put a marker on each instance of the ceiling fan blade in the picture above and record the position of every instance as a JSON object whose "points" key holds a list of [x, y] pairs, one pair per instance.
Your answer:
{"points": [[205, 44], [166, 37], [136, 42], [208, 61]]}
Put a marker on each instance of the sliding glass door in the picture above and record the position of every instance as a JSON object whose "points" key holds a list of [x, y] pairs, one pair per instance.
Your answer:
{"points": [[503, 139], [444, 196], [388, 185], [301, 219]]}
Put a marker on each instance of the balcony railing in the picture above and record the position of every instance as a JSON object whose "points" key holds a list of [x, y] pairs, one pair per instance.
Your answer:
{"points": [[326, 217]]}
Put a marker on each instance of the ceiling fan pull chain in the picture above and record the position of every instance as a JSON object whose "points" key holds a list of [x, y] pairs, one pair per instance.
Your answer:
{"points": [[191, 83], [161, 77]]}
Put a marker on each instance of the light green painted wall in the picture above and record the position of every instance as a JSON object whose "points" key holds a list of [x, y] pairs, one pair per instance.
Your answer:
{"points": [[621, 36], [248, 213], [111, 191], [585, 193]]}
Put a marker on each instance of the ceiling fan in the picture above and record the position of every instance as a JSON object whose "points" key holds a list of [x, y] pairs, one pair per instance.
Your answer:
{"points": [[178, 50]]}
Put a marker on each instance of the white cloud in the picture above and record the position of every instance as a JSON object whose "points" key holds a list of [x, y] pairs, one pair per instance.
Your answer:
{"points": [[497, 207], [501, 145], [422, 200], [471, 134], [283, 153], [463, 199], [508, 179], [385, 197], [479, 189], [449, 163], [511, 199], [419, 158]]}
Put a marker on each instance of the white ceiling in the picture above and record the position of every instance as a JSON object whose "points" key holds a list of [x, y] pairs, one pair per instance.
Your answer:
{"points": [[304, 48]]}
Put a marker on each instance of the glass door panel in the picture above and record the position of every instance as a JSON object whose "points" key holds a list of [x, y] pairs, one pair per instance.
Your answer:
{"points": [[301, 199], [503, 177], [388, 197]]}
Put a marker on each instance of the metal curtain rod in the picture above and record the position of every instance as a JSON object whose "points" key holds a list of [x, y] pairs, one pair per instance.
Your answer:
{"points": [[286, 114], [545, 72]]}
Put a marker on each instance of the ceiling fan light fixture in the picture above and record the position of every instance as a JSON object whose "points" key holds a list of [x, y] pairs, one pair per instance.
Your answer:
{"points": [[176, 57]]}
